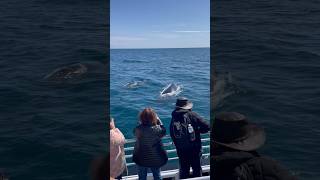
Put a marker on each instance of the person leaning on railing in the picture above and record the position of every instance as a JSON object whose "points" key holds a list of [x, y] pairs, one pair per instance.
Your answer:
{"points": [[148, 150]]}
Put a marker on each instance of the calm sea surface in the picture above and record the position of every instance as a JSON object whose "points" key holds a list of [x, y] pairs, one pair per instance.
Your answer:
{"points": [[271, 50], [154, 69], [51, 130]]}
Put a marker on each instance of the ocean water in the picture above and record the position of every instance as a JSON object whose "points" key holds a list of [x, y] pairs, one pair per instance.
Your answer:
{"points": [[270, 53], [154, 69], [52, 129]]}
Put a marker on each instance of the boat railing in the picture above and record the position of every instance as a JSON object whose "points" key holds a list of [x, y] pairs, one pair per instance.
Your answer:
{"points": [[169, 147], [173, 174]]}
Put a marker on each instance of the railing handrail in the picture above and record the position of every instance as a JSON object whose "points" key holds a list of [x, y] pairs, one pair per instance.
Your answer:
{"points": [[132, 140], [174, 174], [206, 155], [169, 150], [167, 144]]}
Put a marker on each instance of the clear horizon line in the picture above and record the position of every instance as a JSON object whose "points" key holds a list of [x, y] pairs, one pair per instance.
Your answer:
{"points": [[164, 48]]}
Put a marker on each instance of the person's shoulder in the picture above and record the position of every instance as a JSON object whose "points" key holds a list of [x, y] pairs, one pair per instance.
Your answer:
{"points": [[115, 131], [191, 112], [139, 126], [155, 127], [194, 115], [271, 168], [173, 112], [265, 160]]}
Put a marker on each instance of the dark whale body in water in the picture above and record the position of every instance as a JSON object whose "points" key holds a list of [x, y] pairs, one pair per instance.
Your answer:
{"points": [[134, 84], [75, 71], [68, 72], [171, 89], [223, 87]]}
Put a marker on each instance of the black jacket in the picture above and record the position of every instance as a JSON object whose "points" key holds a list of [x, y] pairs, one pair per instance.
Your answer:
{"points": [[148, 150], [240, 165], [199, 124]]}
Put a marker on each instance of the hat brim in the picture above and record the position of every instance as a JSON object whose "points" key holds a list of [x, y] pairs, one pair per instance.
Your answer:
{"points": [[189, 105], [255, 139]]}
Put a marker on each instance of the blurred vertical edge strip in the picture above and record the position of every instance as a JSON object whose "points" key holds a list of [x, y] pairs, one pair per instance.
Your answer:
{"points": [[100, 168], [108, 68], [212, 61], [108, 84], [212, 75]]}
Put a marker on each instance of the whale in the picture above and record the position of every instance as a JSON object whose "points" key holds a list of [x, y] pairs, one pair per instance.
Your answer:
{"points": [[171, 89], [134, 84], [67, 72], [223, 88]]}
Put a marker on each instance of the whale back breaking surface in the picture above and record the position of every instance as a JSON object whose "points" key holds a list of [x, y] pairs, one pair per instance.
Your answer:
{"points": [[67, 72], [77, 71], [134, 84], [223, 88], [171, 89]]}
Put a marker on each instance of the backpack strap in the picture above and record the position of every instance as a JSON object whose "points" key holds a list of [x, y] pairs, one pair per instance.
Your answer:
{"points": [[186, 118], [244, 172]]}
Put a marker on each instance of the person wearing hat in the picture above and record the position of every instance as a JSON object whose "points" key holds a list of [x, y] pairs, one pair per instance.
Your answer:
{"points": [[185, 129], [234, 141]]}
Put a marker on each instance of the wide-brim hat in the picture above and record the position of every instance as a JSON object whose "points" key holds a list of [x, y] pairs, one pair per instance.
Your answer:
{"points": [[233, 130], [184, 103]]}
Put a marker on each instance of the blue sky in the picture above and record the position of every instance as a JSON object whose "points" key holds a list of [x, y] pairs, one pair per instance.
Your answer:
{"points": [[159, 23]]}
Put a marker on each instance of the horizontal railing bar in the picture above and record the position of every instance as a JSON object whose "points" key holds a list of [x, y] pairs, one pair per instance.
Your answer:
{"points": [[130, 164], [128, 148], [173, 174], [171, 150], [205, 139], [174, 150], [129, 156], [166, 144], [165, 137], [170, 159], [130, 141]]}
